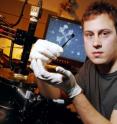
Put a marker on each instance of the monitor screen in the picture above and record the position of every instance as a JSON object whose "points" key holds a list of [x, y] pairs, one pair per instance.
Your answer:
{"points": [[68, 34]]}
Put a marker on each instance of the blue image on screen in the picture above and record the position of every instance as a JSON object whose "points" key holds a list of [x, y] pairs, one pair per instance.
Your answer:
{"points": [[60, 31]]}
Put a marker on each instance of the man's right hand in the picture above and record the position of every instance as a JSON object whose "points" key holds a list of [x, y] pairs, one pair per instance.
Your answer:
{"points": [[42, 53], [45, 51]]}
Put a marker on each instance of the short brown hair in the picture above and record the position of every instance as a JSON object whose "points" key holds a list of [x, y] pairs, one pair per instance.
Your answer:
{"points": [[100, 7]]}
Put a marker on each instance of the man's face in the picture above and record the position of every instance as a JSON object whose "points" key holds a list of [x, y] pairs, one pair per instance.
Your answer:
{"points": [[100, 39]]}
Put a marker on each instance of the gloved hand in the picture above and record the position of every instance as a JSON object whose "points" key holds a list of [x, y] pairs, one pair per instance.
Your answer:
{"points": [[45, 51], [41, 54], [68, 82]]}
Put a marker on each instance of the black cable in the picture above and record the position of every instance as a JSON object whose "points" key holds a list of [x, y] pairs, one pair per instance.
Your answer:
{"points": [[21, 14]]}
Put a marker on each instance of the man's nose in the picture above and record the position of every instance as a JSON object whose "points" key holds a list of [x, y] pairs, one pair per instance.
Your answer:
{"points": [[97, 43]]}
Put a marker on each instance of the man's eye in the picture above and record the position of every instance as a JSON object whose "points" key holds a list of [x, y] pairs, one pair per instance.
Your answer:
{"points": [[88, 35], [104, 34]]}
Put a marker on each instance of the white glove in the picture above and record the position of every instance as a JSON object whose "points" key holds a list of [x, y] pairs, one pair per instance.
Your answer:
{"points": [[41, 54], [45, 51], [68, 83]]}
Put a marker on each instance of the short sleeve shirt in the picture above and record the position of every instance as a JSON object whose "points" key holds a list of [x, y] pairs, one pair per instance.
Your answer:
{"points": [[101, 90]]}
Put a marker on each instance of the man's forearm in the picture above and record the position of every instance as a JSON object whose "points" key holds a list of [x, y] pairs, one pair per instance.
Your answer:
{"points": [[87, 112], [48, 90]]}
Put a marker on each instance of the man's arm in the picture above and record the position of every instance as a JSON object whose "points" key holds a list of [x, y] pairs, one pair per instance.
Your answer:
{"points": [[88, 113], [114, 117], [49, 90]]}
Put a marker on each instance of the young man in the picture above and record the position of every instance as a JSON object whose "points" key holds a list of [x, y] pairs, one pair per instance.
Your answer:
{"points": [[94, 89]]}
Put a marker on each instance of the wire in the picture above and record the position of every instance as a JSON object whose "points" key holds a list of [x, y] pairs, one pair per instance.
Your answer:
{"points": [[21, 14]]}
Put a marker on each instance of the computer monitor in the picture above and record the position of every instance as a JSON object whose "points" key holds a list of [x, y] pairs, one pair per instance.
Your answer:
{"points": [[68, 34]]}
